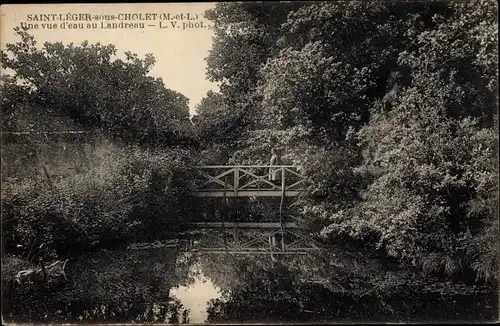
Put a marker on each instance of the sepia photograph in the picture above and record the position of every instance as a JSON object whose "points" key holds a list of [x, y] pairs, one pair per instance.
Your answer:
{"points": [[292, 162]]}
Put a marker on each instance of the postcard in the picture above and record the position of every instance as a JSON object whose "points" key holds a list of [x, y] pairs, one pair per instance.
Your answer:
{"points": [[249, 162]]}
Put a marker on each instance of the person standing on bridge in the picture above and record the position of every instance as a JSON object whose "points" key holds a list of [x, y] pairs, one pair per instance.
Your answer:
{"points": [[275, 173]]}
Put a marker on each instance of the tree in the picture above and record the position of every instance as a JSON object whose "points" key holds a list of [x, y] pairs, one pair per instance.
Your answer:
{"points": [[85, 89], [245, 37], [216, 127], [422, 147], [332, 62]]}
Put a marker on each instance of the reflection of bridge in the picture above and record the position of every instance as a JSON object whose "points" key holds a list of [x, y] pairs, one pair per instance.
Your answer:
{"points": [[248, 181], [252, 238]]}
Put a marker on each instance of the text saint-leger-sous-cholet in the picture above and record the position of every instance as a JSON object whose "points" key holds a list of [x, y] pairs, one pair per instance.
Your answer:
{"points": [[109, 17]]}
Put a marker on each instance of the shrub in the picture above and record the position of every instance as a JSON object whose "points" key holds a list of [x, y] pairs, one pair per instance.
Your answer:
{"points": [[124, 194]]}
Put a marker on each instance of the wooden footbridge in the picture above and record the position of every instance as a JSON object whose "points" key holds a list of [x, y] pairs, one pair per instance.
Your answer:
{"points": [[249, 181], [275, 238]]}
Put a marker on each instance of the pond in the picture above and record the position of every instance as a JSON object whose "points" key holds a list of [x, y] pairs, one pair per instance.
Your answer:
{"points": [[172, 285]]}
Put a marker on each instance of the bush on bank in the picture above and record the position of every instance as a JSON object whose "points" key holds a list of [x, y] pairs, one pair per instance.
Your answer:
{"points": [[124, 194]]}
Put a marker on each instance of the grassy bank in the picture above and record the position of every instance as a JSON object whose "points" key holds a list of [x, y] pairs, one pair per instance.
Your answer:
{"points": [[119, 194]]}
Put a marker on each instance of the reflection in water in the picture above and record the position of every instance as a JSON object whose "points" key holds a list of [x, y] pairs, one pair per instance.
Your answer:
{"points": [[257, 288], [326, 287], [196, 296], [172, 286]]}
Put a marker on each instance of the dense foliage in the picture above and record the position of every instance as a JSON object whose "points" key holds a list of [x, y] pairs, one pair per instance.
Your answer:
{"points": [[123, 196], [389, 107], [82, 87]]}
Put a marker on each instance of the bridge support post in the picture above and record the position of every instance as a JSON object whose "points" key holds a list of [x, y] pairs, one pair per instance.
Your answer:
{"points": [[236, 182], [283, 185]]}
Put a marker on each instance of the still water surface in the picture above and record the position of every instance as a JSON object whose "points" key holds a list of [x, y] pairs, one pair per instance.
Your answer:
{"points": [[170, 285], [195, 297]]}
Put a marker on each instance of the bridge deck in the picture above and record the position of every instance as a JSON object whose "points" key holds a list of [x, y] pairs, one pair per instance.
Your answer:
{"points": [[246, 225], [246, 193]]}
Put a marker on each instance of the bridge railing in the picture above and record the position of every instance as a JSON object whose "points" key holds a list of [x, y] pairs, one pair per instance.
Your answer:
{"points": [[249, 180]]}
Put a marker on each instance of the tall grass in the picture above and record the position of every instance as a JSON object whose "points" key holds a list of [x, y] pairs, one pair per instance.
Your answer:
{"points": [[77, 198]]}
